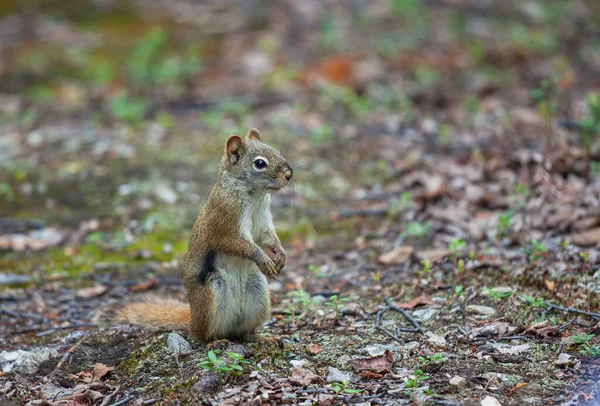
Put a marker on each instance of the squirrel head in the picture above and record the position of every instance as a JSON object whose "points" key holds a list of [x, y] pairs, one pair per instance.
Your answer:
{"points": [[256, 165]]}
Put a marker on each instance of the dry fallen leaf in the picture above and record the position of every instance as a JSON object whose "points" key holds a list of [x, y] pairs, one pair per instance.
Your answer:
{"points": [[90, 293], [421, 300], [550, 285], [517, 386], [396, 256], [145, 285], [304, 377], [587, 238], [314, 349], [100, 370], [435, 255], [381, 364]]}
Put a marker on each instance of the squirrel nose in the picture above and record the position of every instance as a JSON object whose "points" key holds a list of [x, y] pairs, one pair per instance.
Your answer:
{"points": [[288, 172]]}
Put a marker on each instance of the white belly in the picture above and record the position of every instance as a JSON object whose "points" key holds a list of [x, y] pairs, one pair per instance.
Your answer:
{"points": [[241, 294]]}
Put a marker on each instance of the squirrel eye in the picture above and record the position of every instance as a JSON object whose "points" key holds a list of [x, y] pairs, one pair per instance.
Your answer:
{"points": [[260, 164]]}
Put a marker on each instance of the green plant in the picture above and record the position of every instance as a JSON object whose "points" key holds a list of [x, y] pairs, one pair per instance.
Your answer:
{"points": [[436, 358], [590, 126], [503, 224], [456, 245], [417, 377], [337, 304], [416, 229], [317, 271], [495, 295], [426, 269], [534, 302], [128, 109], [458, 290], [224, 367], [338, 387], [321, 134], [537, 252], [400, 204], [460, 266], [585, 343]]}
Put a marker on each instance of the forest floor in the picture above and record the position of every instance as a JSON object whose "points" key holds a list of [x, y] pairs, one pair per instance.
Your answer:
{"points": [[442, 227]]}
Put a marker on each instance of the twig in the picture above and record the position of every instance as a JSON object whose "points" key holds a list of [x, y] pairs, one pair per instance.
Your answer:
{"points": [[16, 315], [54, 329], [417, 327], [149, 402], [446, 402], [124, 401], [110, 397], [551, 306]]}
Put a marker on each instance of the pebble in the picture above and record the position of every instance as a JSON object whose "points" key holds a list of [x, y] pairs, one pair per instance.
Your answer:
{"points": [[458, 382], [335, 375], [563, 360], [484, 310], [298, 363], [490, 401], [26, 362], [208, 384], [178, 345], [423, 315], [436, 341]]}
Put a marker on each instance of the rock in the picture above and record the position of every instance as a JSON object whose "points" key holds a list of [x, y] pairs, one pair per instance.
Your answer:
{"points": [[11, 279], [320, 312], [514, 350], [343, 360], [494, 329], [378, 349], [563, 360], [490, 401], [411, 344], [26, 362], [423, 315], [458, 382], [209, 384], [298, 363], [436, 341], [335, 375], [483, 310], [178, 345]]}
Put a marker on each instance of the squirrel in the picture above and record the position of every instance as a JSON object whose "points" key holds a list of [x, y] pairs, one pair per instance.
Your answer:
{"points": [[225, 269]]}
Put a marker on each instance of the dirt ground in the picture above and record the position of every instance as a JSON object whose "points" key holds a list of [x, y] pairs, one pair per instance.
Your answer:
{"points": [[442, 226]]}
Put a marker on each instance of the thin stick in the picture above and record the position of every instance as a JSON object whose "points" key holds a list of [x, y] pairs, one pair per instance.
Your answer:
{"points": [[417, 327], [551, 306], [124, 401], [383, 330]]}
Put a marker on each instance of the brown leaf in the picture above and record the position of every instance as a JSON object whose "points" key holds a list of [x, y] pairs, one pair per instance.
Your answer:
{"points": [[100, 370], [304, 377], [435, 187], [435, 255], [517, 386], [381, 364], [370, 375], [421, 300], [314, 349], [587, 238], [550, 285], [89, 293], [145, 285], [396, 256]]}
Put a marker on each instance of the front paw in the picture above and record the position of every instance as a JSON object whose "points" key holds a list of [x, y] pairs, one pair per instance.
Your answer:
{"points": [[280, 258], [268, 268]]}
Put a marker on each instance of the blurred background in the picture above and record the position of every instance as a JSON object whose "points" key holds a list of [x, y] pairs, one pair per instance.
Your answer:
{"points": [[417, 129]]}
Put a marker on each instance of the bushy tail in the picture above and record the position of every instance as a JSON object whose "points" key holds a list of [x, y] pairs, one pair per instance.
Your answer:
{"points": [[151, 313]]}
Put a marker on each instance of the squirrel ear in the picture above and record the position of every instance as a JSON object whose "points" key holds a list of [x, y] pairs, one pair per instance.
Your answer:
{"points": [[233, 148], [253, 134]]}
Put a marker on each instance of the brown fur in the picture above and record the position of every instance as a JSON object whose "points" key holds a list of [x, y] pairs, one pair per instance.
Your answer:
{"points": [[217, 230]]}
